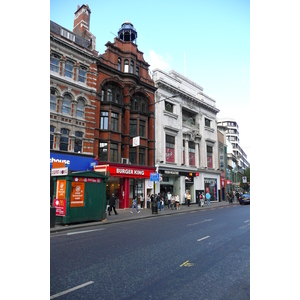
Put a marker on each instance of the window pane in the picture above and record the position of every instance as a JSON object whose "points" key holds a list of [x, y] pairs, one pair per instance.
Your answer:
{"points": [[126, 66], [132, 156], [69, 69], [142, 128], [104, 120], [52, 100], [82, 75], [119, 64], [64, 141], [114, 122], [170, 148], [102, 152], [141, 156], [54, 63], [114, 152], [80, 109], [133, 127], [66, 109]]}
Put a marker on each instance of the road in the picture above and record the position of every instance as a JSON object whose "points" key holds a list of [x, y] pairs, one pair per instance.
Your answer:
{"points": [[195, 255]]}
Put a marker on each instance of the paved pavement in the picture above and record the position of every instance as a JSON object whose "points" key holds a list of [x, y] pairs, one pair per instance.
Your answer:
{"points": [[125, 215]]}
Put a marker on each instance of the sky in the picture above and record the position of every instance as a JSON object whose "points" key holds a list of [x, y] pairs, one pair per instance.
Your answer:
{"points": [[206, 41]]}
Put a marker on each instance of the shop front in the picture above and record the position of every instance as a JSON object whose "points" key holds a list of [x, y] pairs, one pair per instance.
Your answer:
{"points": [[126, 182], [210, 186]]}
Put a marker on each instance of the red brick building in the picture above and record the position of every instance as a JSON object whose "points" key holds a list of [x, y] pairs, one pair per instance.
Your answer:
{"points": [[99, 103]]}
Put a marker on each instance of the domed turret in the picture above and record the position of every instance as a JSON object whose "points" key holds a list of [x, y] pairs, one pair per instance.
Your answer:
{"points": [[127, 32]]}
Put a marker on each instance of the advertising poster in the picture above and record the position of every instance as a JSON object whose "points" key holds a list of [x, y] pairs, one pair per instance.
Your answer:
{"points": [[61, 189], [77, 194], [60, 205]]}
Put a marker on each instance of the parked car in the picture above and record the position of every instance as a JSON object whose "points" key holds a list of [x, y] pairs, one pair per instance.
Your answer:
{"points": [[244, 198]]}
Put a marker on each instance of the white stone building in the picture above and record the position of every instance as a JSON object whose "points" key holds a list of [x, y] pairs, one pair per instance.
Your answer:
{"points": [[186, 137]]}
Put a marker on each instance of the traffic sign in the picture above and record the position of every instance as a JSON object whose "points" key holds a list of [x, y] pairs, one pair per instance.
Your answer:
{"points": [[244, 179], [154, 177]]}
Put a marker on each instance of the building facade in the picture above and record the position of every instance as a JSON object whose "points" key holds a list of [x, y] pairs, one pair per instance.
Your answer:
{"points": [[187, 154]]}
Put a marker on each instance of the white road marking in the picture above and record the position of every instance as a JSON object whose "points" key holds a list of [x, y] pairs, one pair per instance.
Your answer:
{"points": [[206, 237], [247, 221], [71, 290], [206, 220], [77, 232]]}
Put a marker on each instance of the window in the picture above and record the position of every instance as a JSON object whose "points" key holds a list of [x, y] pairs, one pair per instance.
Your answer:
{"points": [[67, 35], [102, 154], [191, 153], [169, 106], [133, 127], [69, 69], [52, 100], [82, 74], [54, 63], [112, 93], [207, 122], [138, 103], [183, 153], [132, 155], [188, 117], [52, 128], [141, 156], [78, 141], [137, 71], [104, 120], [126, 65], [114, 122], [66, 108], [131, 66], [170, 148], [119, 64], [80, 109], [142, 128], [114, 152], [209, 157], [64, 139]]}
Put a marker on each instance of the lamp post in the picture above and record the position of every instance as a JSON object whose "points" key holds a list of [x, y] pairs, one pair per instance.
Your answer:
{"points": [[154, 205]]}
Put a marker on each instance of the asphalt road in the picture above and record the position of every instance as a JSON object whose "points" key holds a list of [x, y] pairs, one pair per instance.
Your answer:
{"points": [[195, 255]]}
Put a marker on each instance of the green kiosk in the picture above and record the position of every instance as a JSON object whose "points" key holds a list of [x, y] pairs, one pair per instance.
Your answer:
{"points": [[80, 197]]}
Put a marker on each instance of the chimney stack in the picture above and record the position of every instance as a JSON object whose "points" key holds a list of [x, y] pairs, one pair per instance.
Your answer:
{"points": [[82, 20]]}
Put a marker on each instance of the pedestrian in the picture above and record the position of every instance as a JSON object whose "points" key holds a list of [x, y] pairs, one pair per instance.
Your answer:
{"points": [[177, 201], [172, 202], [112, 204], [201, 200], [142, 201], [207, 196], [189, 198], [169, 199], [185, 198], [162, 203], [237, 194], [134, 204], [158, 199], [148, 201]]}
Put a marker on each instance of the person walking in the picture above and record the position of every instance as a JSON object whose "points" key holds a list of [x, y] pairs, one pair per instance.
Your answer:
{"points": [[177, 201], [112, 204], [134, 205], [189, 198], [158, 199], [169, 199], [142, 201], [207, 196], [185, 198], [201, 200]]}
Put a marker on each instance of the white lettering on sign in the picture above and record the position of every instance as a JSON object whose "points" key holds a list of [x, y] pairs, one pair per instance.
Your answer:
{"points": [[130, 172], [66, 161]]}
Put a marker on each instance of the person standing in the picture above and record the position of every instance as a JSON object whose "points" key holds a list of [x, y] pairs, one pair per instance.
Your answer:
{"points": [[148, 201], [207, 196], [134, 204], [189, 198], [142, 201], [112, 204], [158, 199], [185, 198], [201, 200]]}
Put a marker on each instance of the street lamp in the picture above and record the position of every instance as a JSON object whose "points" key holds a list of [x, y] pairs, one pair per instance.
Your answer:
{"points": [[154, 205]]}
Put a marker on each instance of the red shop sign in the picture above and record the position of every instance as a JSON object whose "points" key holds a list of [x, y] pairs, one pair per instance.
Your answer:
{"points": [[60, 205]]}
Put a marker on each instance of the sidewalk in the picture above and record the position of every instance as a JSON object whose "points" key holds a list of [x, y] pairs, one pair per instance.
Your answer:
{"points": [[124, 215]]}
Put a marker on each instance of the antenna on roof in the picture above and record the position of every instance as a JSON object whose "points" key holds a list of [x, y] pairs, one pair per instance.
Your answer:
{"points": [[113, 34]]}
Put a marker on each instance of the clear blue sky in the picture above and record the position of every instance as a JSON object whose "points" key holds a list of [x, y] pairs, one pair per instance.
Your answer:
{"points": [[213, 35]]}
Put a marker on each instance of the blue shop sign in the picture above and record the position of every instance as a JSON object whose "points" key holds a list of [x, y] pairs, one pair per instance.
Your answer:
{"points": [[73, 162]]}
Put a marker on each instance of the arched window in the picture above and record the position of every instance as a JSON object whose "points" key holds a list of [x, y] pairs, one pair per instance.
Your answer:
{"points": [[52, 99], [80, 109], [64, 139], [126, 66], [119, 64], [66, 108], [138, 103], [131, 66], [112, 92], [109, 95]]}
